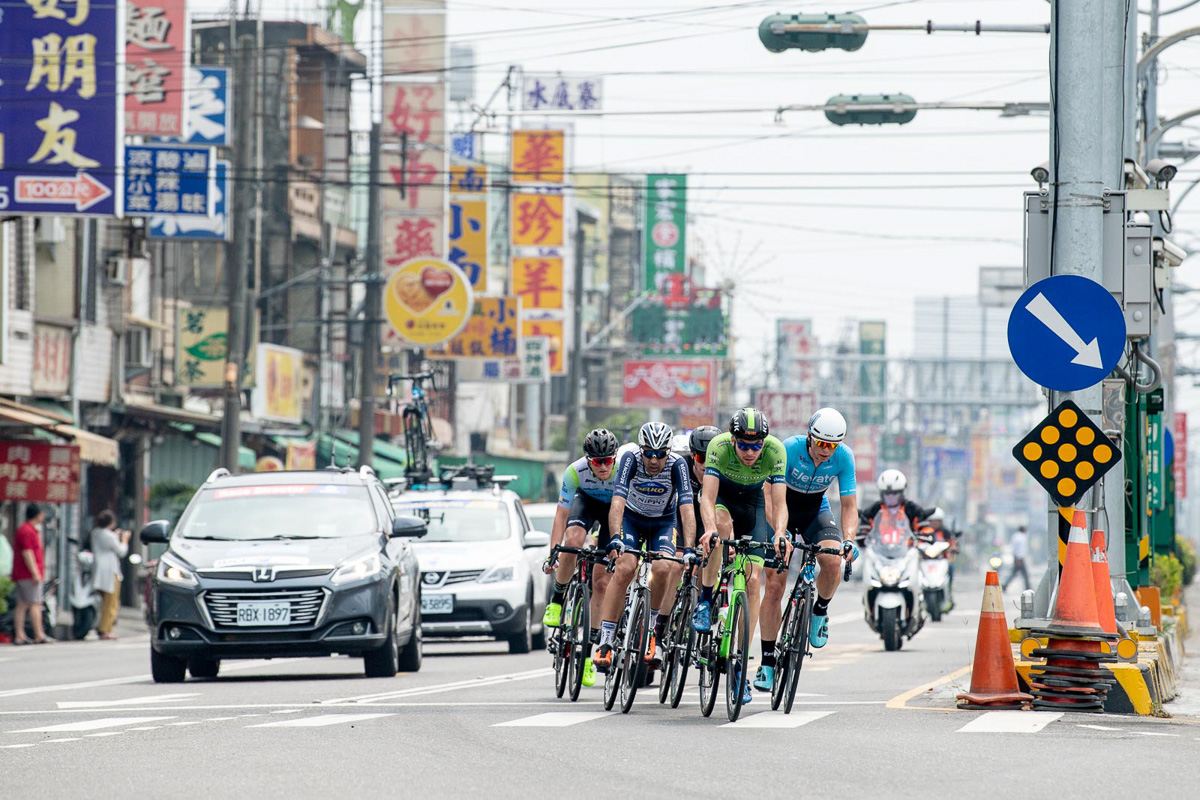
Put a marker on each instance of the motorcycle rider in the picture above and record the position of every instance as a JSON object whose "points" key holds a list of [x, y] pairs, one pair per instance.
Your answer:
{"points": [[892, 483]]}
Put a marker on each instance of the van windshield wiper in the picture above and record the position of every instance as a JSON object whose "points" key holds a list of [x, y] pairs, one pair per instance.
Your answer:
{"points": [[211, 538], [280, 536]]}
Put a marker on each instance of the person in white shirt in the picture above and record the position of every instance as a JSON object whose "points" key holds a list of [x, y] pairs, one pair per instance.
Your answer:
{"points": [[109, 547], [1020, 549]]}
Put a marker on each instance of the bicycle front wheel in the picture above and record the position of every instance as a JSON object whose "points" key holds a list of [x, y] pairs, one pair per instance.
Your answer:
{"points": [[579, 638], [710, 676], [633, 656], [561, 661], [685, 648], [669, 648], [799, 646], [738, 658], [787, 637]]}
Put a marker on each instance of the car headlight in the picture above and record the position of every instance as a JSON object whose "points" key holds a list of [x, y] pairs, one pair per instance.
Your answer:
{"points": [[358, 569], [171, 570], [890, 576], [498, 574]]}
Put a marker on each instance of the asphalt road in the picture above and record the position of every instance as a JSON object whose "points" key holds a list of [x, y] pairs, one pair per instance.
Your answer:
{"points": [[84, 719]]}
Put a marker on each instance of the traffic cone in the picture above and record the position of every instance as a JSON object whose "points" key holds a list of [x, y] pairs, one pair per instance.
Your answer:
{"points": [[1105, 609], [1075, 612], [993, 675]]}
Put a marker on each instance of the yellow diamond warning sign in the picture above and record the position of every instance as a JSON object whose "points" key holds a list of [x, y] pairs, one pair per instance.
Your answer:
{"points": [[1066, 453]]}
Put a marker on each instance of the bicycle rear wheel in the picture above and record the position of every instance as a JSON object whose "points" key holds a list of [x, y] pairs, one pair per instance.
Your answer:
{"points": [[633, 656], [670, 648], [799, 646], [787, 637], [737, 661], [579, 638], [686, 647], [561, 661], [710, 676]]}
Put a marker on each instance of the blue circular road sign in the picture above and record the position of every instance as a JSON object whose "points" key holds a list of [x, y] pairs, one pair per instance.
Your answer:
{"points": [[1066, 332]]}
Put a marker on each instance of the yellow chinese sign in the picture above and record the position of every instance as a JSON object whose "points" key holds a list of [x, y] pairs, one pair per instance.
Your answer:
{"points": [[491, 332], [537, 220], [539, 282], [538, 156], [278, 394], [468, 179], [200, 347], [467, 239], [427, 301], [553, 329]]}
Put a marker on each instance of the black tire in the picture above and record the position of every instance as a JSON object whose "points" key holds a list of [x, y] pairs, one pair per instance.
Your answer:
{"points": [[204, 667], [167, 669], [521, 642], [796, 657], [83, 621], [933, 601], [579, 637], [413, 652], [668, 648], [684, 649], [783, 653], [382, 662], [633, 655], [889, 628], [737, 662]]}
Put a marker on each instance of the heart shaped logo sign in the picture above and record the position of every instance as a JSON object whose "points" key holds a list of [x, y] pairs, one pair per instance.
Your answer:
{"points": [[436, 282]]}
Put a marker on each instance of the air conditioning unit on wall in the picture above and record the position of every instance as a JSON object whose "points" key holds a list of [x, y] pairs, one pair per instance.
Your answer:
{"points": [[117, 272]]}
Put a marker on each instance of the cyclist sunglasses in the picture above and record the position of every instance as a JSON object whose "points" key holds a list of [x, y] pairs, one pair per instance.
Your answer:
{"points": [[744, 445], [699, 458], [660, 453], [820, 445], [603, 461]]}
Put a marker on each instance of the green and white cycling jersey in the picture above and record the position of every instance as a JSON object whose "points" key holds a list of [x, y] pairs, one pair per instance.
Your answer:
{"points": [[723, 463]]}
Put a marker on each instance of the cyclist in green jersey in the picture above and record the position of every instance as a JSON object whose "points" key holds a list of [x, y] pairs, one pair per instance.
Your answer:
{"points": [[743, 469]]}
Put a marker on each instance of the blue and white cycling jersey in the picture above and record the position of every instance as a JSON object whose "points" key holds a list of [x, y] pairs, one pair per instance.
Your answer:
{"points": [[652, 495], [580, 478], [807, 483]]}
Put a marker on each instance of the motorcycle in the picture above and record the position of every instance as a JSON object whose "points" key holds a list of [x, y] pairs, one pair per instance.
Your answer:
{"points": [[893, 603], [85, 600], [935, 576]]}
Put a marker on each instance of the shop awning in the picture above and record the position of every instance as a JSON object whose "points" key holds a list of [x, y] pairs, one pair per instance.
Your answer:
{"points": [[171, 414], [93, 448], [247, 459]]}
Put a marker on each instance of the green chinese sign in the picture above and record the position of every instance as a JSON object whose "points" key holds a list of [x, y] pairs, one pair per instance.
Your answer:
{"points": [[665, 228], [1154, 461], [201, 348], [698, 328]]}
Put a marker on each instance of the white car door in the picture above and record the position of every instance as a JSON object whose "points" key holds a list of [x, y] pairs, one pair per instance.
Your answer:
{"points": [[535, 556]]}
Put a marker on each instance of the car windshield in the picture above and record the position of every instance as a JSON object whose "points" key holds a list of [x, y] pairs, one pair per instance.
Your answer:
{"points": [[460, 520], [283, 511]]}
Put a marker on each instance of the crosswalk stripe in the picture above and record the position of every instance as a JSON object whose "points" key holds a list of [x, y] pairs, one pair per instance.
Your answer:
{"points": [[319, 722], [1009, 722], [770, 719], [553, 719], [92, 724]]}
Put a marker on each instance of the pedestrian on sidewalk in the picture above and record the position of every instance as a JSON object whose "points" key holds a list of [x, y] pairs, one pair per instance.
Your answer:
{"points": [[29, 573], [1020, 549], [109, 546]]}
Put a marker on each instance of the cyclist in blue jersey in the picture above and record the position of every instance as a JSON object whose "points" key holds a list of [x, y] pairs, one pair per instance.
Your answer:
{"points": [[650, 490], [814, 462]]}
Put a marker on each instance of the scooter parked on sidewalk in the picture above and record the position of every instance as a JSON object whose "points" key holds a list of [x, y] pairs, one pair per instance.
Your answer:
{"points": [[893, 600]]}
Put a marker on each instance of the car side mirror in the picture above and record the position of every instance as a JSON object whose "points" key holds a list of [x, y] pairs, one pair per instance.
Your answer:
{"points": [[409, 528], [156, 532], [537, 539]]}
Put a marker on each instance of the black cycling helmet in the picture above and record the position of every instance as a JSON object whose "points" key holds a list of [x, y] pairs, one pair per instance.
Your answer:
{"points": [[600, 443], [749, 423], [698, 441]]}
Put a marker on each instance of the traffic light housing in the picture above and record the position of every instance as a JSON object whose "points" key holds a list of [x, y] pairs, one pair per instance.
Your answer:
{"points": [[773, 37], [869, 109]]}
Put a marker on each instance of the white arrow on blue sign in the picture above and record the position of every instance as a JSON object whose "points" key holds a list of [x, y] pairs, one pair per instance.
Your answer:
{"points": [[1066, 332]]}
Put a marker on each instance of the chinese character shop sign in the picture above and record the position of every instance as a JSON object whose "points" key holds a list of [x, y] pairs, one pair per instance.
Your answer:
{"points": [[37, 472], [541, 92], [428, 301], [669, 384], [60, 124], [156, 59], [491, 332], [538, 156], [666, 227], [167, 180]]}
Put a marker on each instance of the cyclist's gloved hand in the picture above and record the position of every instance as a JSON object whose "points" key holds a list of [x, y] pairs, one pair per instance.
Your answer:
{"points": [[549, 564], [689, 556], [616, 546], [850, 549], [707, 541]]}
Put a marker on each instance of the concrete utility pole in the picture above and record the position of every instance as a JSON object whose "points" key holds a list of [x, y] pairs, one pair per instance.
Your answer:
{"points": [[237, 252], [372, 312]]}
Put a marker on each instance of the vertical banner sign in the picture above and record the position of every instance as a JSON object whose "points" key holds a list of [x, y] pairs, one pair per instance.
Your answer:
{"points": [[415, 113], [60, 107], [467, 245], [277, 394], [1154, 458], [537, 220], [156, 62], [872, 374], [538, 156], [469, 179], [201, 344], [1181, 454], [539, 282], [37, 472], [209, 117], [796, 353], [787, 411], [51, 360], [666, 228], [552, 329]]}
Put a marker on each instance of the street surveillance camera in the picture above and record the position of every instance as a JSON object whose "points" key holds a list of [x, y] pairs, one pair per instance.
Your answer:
{"points": [[1135, 176], [1173, 254], [1161, 170], [1041, 173]]}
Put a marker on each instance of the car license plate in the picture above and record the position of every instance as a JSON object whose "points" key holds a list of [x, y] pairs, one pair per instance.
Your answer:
{"points": [[437, 604], [264, 613]]}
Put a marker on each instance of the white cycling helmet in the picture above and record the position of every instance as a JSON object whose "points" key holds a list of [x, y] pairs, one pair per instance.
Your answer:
{"points": [[892, 480], [655, 435], [827, 425]]}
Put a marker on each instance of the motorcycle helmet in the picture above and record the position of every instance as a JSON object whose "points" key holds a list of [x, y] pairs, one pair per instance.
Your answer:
{"points": [[892, 480]]}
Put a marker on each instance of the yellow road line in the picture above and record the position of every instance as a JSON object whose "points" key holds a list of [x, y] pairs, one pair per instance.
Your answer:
{"points": [[901, 700]]}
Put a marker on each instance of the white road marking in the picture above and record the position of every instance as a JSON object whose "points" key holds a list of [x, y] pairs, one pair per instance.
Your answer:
{"points": [[1154, 733], [68, 739], [129, 701], [14, 746], [218, 719], [1009, 722], [1099, 727], [321, 721], [287, 711], [63, 687], [146, 728], [848, 617], [445, 687], [92, 724], [106, 733], [772, 719], [187, 722], [554, 719]]}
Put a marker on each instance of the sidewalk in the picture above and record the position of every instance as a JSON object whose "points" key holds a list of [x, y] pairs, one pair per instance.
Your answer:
{"points": [[130, 624]]}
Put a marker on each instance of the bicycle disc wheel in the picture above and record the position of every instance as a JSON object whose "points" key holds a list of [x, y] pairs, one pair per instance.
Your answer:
{"points": [[737, 662], [579, 636], [784, 647], [684, 649], [634, 654], [799, 647]]}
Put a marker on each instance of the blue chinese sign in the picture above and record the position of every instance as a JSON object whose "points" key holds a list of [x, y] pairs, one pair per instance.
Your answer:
{"points": [[167, 180], [541, 92], [209, 118], [463, 145], [60, 107], [184, 226]]}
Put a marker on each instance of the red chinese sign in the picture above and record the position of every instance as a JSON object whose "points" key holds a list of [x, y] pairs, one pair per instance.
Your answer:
{"points": [[37, 472], [688, 383], [788, 412], [1180, 463], [156, 60], [409, 236], [415, 110]]}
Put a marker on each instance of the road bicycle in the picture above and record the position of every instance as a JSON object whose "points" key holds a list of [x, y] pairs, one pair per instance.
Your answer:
{"points": [[793, 645], [570, 641], [632, 637], [418, 424], [679, 643], [727, 648]]}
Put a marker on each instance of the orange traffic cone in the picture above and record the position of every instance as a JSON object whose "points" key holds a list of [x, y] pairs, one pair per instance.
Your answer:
{"points": [[993, 675], [1105, 609], [1075, 612]]}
